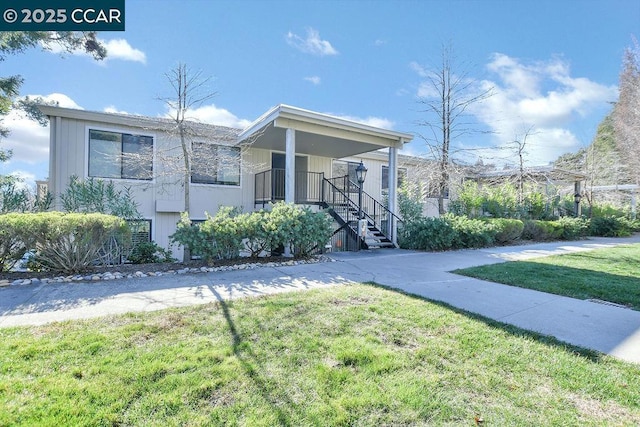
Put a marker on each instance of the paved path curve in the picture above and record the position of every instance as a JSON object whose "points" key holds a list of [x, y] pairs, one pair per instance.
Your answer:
{"points": [[608, 329]]}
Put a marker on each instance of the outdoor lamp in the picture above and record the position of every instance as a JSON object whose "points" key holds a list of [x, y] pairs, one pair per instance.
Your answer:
{"points": [[361, 173], [577, 197]]}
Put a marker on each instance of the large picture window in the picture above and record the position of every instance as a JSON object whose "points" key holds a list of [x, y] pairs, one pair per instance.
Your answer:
{"points": [[120, 155], [215, 164]]}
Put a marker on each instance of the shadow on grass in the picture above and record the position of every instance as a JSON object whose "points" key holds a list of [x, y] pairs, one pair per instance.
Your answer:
{"points": [[591, 355], [580, 283], [251, 366]]}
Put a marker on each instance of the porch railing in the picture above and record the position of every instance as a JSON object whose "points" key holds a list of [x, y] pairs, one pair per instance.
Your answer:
{"points": [[270, 187], [377, 213], [340, 194]]}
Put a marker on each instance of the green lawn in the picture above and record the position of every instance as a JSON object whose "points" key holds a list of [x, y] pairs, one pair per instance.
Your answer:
{"points": [[611, 274], [349, 355]]}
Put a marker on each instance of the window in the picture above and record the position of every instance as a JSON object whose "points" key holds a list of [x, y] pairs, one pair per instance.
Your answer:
{"points": [[433, 190], [140, 230], [120, 155], [402, 177], [342, 168], [215, 164]]}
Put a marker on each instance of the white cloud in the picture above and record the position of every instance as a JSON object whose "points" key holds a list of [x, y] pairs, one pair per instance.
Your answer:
{"points": [[117, 49], [113, 110], [313, 44], [542, 95], [121, 49], [378, 122], [28, 140], [216, 116], [316, 80]]}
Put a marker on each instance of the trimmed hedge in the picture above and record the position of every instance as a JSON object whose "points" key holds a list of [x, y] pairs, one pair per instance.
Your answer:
{"points": [[65, 243], [506, 230], [224, 235]]}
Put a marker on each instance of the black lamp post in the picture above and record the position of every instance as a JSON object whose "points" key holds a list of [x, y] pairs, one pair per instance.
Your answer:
{"points": [[361, 174], [577, 198]]}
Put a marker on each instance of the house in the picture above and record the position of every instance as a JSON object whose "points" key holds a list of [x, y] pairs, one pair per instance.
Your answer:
{"points": [[289, 154]]}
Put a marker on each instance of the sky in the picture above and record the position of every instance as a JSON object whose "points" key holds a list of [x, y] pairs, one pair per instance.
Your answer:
{"points": [[552, 67]]}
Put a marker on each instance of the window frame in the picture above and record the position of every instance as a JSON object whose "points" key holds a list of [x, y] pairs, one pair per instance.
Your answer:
{"points": [[121, 131], [401, 180], [217, 183]]}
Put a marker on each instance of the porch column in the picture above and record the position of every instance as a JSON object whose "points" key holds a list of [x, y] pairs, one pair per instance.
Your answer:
{"points": [[290, 173], [290, 167], [393, 193]]}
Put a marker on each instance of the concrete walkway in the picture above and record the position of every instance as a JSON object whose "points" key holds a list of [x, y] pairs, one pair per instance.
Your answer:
{"points": [[596, 326]]}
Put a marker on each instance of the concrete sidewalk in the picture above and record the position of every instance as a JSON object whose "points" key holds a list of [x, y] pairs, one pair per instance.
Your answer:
{"points": [[596, 326]]}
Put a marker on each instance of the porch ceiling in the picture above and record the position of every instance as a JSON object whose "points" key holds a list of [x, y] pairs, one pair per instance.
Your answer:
{"points": [[318, 134]]}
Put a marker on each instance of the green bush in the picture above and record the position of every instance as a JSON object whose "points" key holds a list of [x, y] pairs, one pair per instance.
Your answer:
{"points": [[222, 234], [611, 226], [17, 236], [471, 233], [506, 230], [149, 253], [430, 234], [573, 228], [541, 231], [255, 229], [299, 228], [226, 234], [70, 243]]}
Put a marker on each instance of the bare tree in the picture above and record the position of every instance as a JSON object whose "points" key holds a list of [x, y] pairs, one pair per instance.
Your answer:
{"points": [[452, 93], [626, 113], [518, 147], [189, 91]]}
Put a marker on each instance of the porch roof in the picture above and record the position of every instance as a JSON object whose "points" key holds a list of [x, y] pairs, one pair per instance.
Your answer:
{"points": [[318, 134]]}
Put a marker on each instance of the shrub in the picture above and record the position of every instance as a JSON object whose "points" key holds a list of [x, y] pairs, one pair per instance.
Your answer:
{"points": [[189, 236], [17, 236], [149, 253], [259, 234], [541, 231], [471, 233], [70, 243], [573, 228], [506, 230], [96, 195], [299, 228], [222, 234], [611, 226], [430, 234]]}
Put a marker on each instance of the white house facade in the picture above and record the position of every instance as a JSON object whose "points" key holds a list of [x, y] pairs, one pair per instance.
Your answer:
{"points": [[289, 154]]}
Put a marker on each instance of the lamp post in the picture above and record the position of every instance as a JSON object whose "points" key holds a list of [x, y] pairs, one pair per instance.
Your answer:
{"points": [[576, 198], [361, 174]]}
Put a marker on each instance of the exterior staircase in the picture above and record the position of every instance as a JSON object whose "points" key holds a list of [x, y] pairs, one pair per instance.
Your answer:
{"points": [[340, 197], [339, 200]]}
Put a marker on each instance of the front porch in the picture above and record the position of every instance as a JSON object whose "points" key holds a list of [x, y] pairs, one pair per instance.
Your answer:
{"points": [[292, 134]]}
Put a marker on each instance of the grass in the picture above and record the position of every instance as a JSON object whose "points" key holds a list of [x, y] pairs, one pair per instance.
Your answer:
{"points": [[349, 355], [611, 274]]}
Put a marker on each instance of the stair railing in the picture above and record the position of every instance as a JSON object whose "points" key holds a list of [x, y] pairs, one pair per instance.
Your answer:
{"points": [[338, 190]]}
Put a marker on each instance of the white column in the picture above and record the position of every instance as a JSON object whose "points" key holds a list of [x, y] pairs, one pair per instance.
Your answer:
{"points": [[290, 173], [290, 167], [393, 192]]}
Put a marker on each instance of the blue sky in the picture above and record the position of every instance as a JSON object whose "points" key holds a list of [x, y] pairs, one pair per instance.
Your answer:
{"points": [[553, 64]]}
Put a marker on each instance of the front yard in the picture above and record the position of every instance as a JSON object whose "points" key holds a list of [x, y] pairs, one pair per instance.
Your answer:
{"points": [[349, 355], [611, 274]]}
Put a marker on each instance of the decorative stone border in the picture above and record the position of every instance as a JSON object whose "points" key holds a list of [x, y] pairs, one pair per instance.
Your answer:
{"points": [[116, 275]]}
